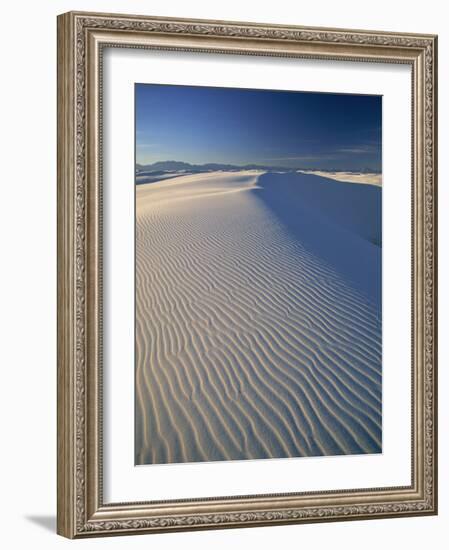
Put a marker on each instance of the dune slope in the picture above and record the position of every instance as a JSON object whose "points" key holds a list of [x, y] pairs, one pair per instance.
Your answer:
{"points": [[257, 335]]}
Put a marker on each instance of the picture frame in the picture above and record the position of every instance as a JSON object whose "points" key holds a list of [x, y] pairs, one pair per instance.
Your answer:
{"points": [[82, 40]]}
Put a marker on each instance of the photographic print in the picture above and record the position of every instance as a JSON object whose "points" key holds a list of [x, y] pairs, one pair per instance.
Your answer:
{"points": [[247, 323], [258, 298]]}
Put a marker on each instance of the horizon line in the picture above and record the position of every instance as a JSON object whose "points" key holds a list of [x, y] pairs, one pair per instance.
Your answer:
{"points": [[261, 165]]}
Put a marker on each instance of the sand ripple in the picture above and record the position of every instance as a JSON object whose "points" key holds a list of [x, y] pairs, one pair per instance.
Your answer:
{"points": [[248, 344]]}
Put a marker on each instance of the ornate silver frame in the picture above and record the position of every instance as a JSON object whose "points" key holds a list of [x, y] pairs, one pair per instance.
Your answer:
{"points": [[81, 39]]}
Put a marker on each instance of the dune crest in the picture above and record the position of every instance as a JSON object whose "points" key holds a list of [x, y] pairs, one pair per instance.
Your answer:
{"points": [[254, 338]]}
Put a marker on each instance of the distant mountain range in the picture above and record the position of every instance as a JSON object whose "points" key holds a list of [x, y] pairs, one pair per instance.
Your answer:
{"points": [[178, 166]]}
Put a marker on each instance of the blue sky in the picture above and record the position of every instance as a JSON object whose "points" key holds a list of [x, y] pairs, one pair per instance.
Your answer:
{"points": [[241, 126]]}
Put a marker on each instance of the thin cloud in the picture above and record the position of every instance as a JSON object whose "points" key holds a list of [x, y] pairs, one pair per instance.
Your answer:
{"points": [[300, 157], [359, 149], [330, 155]]}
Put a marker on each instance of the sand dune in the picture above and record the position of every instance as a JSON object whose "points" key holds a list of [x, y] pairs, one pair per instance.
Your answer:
{"points": [[351, 177], [258, 324]]}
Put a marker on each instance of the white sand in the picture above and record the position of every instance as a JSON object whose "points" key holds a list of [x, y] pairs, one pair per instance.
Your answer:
{"points": [[349, 177], [248, 343]]}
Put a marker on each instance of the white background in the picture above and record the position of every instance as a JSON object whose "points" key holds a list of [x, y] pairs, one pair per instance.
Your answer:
{"points": [[28, 272], [125, 483]]}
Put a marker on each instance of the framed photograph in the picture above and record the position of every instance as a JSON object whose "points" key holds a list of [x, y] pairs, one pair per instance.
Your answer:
{"points": [[246, 274]]}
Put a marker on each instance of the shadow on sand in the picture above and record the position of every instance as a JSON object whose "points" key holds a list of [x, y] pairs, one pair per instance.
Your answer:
{"points": [[338, 222]]}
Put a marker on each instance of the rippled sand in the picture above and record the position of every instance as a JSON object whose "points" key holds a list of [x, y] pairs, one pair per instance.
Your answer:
{"points": [[258, 325]]}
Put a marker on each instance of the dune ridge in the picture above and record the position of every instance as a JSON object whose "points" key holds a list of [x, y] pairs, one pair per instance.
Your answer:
{"points": [[249, 343]]}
